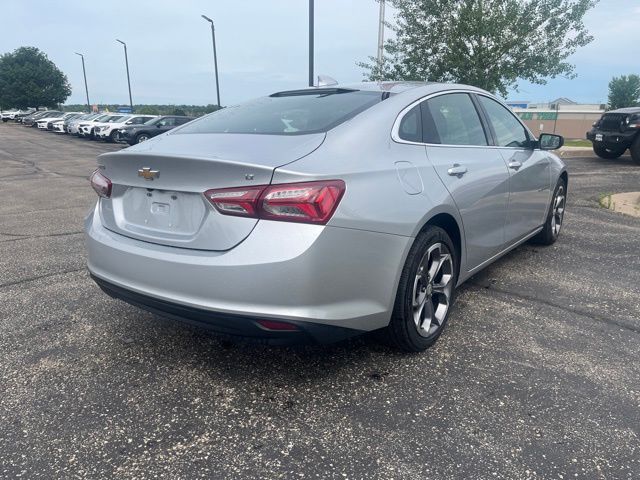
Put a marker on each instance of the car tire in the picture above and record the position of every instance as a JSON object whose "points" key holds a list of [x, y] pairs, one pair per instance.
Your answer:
{"points": [[425, 293], [555, 216], [113, 137], [635, 150], [607, 153], [142, 137]]}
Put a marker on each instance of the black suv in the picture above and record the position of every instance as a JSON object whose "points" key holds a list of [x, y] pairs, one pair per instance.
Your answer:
{"points": [[133, 134], [616, 131]]}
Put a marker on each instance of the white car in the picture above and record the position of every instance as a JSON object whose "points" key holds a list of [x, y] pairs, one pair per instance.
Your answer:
{"points": [[110, 131], [8, 115], [73, 125], [43, 123], [87, 129]]}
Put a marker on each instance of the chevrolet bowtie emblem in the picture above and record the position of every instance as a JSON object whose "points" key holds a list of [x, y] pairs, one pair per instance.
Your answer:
{"points": [[148, 174]]}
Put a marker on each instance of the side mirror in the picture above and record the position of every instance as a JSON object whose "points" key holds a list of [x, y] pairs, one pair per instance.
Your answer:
{"points": [[128, 123], [549, 141]]}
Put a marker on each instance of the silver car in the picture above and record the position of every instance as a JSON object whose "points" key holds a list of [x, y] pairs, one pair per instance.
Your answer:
{"points": [[322, 213]]}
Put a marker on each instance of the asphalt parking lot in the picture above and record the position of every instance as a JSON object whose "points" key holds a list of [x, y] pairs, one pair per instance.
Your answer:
{"points": [[536, 376]]}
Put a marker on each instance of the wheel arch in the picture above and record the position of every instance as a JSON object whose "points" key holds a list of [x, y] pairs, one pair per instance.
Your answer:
{"points": [[565, 177], [449, 224]]}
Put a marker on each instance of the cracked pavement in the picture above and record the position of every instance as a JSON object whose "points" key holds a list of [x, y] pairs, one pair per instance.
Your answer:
{"points": [[536, 376]]}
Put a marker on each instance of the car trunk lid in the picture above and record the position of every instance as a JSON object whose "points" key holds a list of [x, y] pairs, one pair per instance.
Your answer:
{"points": [[157, 192]]}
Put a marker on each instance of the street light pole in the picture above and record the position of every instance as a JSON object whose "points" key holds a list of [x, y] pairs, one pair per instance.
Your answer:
{"points": [[311, 21], [215, 56], [126, 60], [86, 88], [381, 33]]}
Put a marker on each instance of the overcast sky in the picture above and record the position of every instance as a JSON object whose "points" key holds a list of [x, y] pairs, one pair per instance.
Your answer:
{"points": [[262, 46]]}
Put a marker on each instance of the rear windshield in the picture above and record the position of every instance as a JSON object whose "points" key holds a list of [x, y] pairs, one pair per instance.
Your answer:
{"points": [[288, 113]]}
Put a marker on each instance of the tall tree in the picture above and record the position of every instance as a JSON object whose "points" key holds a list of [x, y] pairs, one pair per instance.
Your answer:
{"points": [[624, 91], [487, 43], [29, 79]]}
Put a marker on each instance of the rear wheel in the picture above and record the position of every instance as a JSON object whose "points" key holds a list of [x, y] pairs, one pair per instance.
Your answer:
{"points": [[425, 293], [635, 150], [552, 226], [142, 137], [607, 153]]}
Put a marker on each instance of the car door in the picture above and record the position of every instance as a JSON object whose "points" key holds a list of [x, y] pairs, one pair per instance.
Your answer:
{"points": [[475, 174], [529, 170]]}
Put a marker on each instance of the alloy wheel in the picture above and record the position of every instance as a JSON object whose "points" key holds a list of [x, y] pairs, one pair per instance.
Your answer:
{"points": [[558, 211], [432, 288]]}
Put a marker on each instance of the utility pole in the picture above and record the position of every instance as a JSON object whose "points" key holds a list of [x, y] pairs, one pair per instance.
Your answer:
{"points": [[86, 88], [381, 33], [126, 60], [215, 57], [311, 43]]}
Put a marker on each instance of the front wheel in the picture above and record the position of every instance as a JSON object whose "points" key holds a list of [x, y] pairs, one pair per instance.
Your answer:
{"points": [[607, 153], [425, 293], [113, 136], [553, 224]]}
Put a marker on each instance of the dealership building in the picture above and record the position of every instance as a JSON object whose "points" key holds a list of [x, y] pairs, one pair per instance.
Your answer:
{"points": [[562, 116]]}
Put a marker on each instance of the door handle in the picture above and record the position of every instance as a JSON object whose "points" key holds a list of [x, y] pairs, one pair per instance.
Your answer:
{"points": [[457, 170], [515, 165]]}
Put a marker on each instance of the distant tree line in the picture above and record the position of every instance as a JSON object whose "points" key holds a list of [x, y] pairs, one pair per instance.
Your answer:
{"points": [[189, 110]]}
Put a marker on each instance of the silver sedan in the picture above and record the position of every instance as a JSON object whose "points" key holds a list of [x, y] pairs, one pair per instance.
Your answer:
{"points": [[322, 213]]}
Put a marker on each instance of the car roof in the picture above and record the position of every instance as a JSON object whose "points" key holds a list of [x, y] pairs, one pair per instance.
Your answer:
{"points": [[625, 110], [415, 89]]}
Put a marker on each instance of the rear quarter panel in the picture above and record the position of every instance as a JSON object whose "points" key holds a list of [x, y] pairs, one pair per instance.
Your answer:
{"points": [[362, 153]]}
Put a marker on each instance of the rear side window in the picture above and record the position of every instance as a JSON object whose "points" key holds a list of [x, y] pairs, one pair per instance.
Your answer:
{"points": [[288, 113], [411, 125], [453, 121], [508, 130], [167, 122]]}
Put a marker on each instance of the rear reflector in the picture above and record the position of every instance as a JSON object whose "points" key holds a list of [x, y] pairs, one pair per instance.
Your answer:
{"points": [[101, 184], [307, 202], [277, 326]]}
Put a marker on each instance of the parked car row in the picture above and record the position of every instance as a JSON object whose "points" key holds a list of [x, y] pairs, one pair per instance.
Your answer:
{"points": [[109, 127]]}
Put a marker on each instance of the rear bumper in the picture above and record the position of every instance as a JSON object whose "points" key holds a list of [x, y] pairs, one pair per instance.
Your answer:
{"points": [[226, 323], [317, 277]]}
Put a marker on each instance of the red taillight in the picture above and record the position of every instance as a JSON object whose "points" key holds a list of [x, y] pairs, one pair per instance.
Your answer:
{"points": [[308, 202], [101, 184], [240, 202], [276, 325]]}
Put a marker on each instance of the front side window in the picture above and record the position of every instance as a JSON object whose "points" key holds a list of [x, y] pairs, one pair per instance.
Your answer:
{"points": [[508, 130], [454, 121], [288, 113]]}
